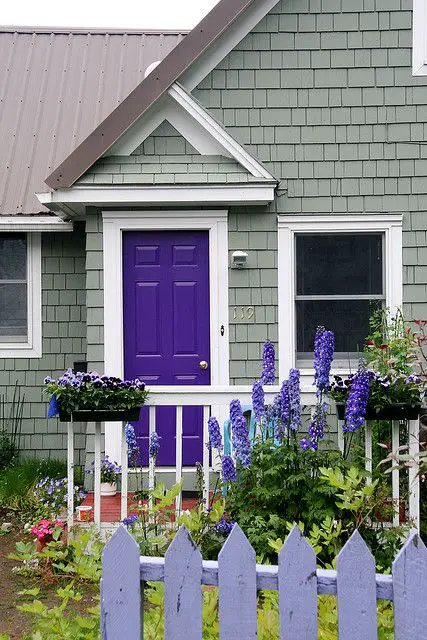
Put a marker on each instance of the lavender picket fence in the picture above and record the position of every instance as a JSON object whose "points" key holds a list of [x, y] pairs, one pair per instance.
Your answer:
{"points": [[238, 577]]}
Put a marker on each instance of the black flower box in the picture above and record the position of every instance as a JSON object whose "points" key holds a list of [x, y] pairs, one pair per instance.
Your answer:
{"points": [[101, 415], [392, 412]]}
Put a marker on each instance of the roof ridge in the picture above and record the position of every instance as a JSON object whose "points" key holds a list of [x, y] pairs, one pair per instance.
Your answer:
{"points": [[88, 30]]}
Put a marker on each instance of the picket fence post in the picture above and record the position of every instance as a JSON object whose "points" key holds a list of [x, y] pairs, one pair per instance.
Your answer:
{"points": [[410, 589], [120, 588]]}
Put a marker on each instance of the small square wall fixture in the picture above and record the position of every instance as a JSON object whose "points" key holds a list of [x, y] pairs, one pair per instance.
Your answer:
{"points": [[239, 259]]}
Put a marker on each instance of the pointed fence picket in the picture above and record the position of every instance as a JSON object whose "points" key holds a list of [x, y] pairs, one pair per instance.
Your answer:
{"points": [[237, 577]]}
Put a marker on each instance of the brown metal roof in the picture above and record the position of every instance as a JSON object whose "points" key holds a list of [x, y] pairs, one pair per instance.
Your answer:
{"points": [[56, 86], [147, 92]]}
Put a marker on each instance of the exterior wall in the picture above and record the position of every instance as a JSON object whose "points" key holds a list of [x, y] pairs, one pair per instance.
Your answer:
{"points": [[64, 342], [322, 93]]}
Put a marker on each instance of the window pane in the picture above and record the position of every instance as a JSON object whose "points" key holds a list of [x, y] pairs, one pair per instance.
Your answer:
{"points": [[13, 312], [348, 319], [339, 264], [13, 256]]}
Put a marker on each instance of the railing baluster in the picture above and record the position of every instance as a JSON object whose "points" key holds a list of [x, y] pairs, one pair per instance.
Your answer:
{"points": [[340, 435], [206, 414], [151, 462], [124, 464], [413, 474], [70, 476], [178, 458], [97, 476], [356, 591], [368, 451], [395, 489], [297, 589], [183, 589], [237, 588]]}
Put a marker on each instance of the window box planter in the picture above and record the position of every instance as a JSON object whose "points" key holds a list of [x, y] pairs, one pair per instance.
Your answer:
{"points": [[101, 415], [392, 412]]}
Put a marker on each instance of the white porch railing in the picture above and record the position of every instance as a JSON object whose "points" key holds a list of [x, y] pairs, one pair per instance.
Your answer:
{"points": [[215, 400]]}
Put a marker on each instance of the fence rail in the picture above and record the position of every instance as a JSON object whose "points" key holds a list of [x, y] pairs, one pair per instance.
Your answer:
{"points": [[238, 578]]}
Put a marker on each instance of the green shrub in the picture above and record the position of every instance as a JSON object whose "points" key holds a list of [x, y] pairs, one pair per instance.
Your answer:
{"points": [[17, 483]]}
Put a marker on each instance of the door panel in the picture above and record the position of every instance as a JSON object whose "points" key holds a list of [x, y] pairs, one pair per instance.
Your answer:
{"points": [[167, 327]]}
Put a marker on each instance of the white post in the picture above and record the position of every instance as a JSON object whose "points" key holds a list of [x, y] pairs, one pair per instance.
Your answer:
{"points": [[70, 475], [340, 435], [124, 465], [413, 474], [395, 443], [206, 414], [151, 461], [178, 456], [97, 476], [368, 451]]}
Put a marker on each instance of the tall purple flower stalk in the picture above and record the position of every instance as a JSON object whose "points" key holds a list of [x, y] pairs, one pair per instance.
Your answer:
{"points": [[268, 363], [240, 440], [228, 469], [324, 344], [258, 402], [215, 438], [235, 410], [284, 403], [316, 430], [154, 445], [357, 401], [131, 442], [294, 399]]}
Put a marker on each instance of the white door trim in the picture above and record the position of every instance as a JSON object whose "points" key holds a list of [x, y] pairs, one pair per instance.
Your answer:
{"points": [[114, 223]]}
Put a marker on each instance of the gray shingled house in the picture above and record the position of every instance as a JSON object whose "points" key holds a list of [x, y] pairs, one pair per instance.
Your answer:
{"points": [[170, 201]]}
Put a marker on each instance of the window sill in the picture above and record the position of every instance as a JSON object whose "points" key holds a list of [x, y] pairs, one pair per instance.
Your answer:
{"points": [[19, 350]]}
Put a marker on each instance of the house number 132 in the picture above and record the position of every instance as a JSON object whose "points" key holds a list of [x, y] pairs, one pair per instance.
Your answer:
{"points": [[243, 313]]}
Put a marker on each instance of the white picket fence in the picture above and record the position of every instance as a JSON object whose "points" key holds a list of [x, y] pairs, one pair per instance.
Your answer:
{"points": [[296, 578]]}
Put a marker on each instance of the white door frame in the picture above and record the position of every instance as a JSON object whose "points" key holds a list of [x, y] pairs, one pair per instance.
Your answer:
{"points": [[114, 223]]}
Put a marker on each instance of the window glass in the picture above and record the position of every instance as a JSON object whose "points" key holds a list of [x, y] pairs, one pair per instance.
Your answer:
{"points": [[339, 282], [339, 264], [13, 288]]}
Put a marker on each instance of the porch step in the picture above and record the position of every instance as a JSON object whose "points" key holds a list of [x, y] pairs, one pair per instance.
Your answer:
{"points": [[110, 505]]}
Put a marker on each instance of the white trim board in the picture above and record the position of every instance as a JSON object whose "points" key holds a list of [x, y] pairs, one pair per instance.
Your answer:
{"points": [[32, 348], [33, 223], [289, 226], [73, 201], [114, 223], [419, 38]]}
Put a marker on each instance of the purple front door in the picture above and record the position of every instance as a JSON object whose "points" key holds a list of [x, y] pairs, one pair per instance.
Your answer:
{"points": [[166, 327]]}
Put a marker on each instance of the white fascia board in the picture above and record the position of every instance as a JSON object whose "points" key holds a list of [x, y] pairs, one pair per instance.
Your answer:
{"points": [[248, 194], [33, 223], [336, 222], [230, 38], [230, 146], [419, 38]]}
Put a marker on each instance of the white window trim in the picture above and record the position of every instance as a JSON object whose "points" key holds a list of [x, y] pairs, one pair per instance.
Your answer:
{"points": [[114, 223], [32, 348], [288, 226], [419, 38]]}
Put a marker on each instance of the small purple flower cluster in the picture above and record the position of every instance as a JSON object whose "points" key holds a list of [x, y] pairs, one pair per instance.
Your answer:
{"points": [[324, 344], [110, 471], [316, 430], [130, 520], [268, 363], [215, 438], [294, 392], [52, 494], [79, 379], [225, 527], [154, 445], [357, 401], [258, 402], [228, 469]]}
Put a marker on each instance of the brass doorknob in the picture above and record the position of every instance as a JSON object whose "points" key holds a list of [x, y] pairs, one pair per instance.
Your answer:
{"points": [[203, 364]]}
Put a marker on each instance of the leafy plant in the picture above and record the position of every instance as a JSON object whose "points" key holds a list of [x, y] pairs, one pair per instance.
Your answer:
{"points": [[91, 391], [17, 484], [51, 495], [10, 427]]}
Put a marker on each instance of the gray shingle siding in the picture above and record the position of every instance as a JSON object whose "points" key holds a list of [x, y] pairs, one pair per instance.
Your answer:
{"points": [[64, 342], [323, 94]]}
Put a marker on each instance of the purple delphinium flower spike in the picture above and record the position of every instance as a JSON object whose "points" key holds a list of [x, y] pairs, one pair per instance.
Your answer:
{"points": [[240, 440], [224, 527], [268, 363], [324, 344], [357, 401], [154, 445], [131, 440], [228, 469], [235, 410], [215, 439], [294, 399], [284, 403], [305, 444], [130, 520], [258, 403], [316, 430]]}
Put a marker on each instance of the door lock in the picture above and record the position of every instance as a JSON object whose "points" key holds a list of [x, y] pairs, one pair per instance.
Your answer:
{"points": [[203, 365]]}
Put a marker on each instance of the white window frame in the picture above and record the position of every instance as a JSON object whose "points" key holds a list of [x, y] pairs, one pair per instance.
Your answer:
{"points": [[419, 38], [288, 226], [31, 348]]}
